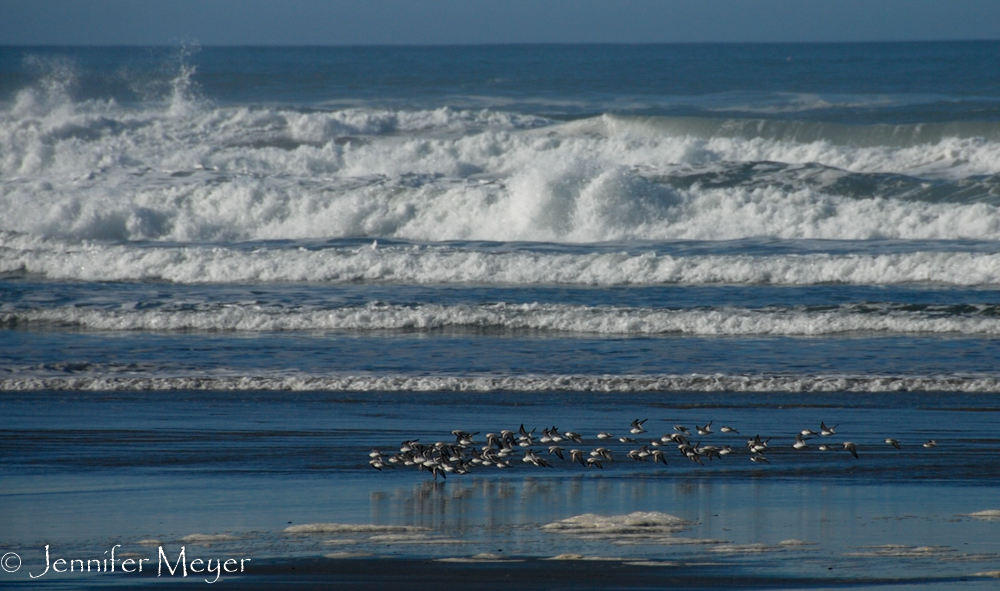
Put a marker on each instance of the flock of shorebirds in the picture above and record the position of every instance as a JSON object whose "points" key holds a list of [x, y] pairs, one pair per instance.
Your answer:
{"points": [[502, 449]]}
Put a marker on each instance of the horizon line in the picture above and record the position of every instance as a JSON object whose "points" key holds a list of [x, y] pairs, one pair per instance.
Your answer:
{"points": [[195, 43]]}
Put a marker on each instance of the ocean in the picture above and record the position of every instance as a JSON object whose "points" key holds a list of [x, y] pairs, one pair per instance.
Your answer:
{"points": [[233, 281]]}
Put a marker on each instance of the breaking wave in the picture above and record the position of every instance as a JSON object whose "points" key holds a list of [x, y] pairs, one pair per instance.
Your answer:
{"points": [[557, 383], [421, 264], [884, 319], [186, 170]]}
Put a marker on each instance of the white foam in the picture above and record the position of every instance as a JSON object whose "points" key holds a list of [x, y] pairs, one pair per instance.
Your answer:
{"points": [[347, 555], [666, 541], [551, 383], [652, 563], [207, 538], [873, 319], [582, 557], [328, 528], [193, 172], [484, 557], [638, 522], [903, 551], [58, 259], [746, 548], [415, 539], [795, 543]]}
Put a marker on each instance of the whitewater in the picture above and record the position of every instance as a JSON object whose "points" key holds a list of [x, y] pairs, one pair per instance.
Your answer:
{"points": [[151, 194]]}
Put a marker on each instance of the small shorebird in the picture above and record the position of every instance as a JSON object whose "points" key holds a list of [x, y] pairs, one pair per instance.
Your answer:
{"points": [[637, 427], [706, 430], [931, 443], [825, 431], [893, 442], [602, 452], [799, 442], [604, 435], [682, 429], [576, 455], [851, 447], [464, 438], [726, 429], [756, 445], [534, 459]]}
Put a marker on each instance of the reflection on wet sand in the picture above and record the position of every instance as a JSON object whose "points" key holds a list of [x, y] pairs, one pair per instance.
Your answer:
{"points": [[804, 528]]}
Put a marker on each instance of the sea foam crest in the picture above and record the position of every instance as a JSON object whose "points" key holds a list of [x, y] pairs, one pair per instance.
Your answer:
{"points": [[796, 321], [191, 171], [549, 383], [57, 259]]}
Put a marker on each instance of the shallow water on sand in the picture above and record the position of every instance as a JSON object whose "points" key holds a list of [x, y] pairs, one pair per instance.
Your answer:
{"points": [[250, 471]]}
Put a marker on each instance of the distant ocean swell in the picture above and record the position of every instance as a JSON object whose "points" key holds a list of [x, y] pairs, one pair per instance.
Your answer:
{"points": [[568, 383], [197, 264], [870, 319]]}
